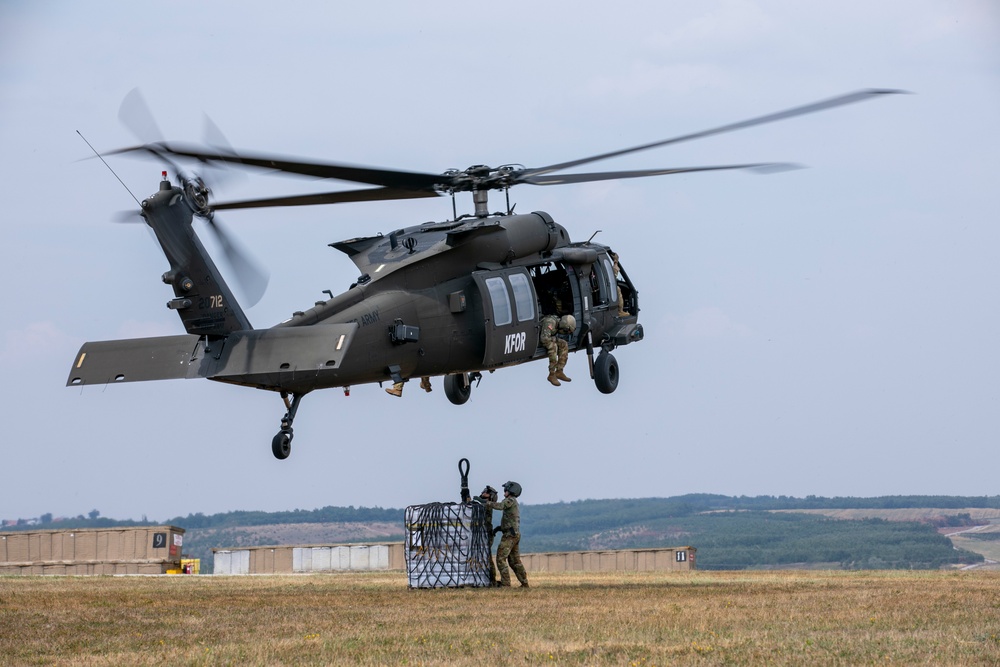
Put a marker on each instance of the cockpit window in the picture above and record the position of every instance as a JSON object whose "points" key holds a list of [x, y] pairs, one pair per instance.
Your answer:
{"points": [[501, 301], [599, 284], [523, 298], [609, 271]]}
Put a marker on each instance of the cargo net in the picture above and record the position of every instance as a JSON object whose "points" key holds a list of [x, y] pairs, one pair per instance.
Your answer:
{"points": [[447, 545]]}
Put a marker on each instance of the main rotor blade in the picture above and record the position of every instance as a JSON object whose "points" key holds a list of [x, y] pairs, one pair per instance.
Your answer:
{"points": [[556, 179], [343, 196], [822, 105], [389, 178]]}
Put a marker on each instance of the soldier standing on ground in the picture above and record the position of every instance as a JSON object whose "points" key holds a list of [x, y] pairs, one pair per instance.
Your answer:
{"points": [[489, 495], [557, 348], [508, 553]]}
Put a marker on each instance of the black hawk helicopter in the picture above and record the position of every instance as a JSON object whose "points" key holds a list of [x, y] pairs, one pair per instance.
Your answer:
{"points": [[451, 299]]}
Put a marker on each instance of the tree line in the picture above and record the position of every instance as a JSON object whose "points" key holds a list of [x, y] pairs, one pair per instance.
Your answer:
{"points": [[730, 532]]}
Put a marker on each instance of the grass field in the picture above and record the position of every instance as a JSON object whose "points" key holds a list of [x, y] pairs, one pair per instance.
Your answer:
{"points": [[710, 618]]}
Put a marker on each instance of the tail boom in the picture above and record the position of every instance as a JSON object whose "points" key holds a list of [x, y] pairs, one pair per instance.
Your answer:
{"points": [[202, 298]]}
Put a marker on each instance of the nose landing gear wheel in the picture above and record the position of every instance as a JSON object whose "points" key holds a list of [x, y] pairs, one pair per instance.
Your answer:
{"points": [[281, 444], [606, 373]]}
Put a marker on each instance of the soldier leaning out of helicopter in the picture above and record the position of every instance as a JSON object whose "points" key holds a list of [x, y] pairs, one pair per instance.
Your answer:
{"points": [[558, 349], [397, 388]]}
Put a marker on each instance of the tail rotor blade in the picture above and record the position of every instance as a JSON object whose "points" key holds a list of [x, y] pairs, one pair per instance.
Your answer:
{"points": [[222, 172], [134, 114], [250, 275]]}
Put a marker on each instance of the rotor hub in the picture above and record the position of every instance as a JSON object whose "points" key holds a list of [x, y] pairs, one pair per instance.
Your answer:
{"points": [[196, 193]]}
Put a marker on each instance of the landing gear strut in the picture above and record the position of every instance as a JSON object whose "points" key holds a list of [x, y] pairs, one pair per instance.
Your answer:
{"points": [[281, 444]]}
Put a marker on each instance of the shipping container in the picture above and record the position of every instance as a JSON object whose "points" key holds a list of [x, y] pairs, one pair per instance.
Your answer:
{"points": [[135, 550]]}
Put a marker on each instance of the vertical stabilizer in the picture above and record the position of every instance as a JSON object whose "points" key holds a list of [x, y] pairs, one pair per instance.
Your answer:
{"points": [[201, 297]]}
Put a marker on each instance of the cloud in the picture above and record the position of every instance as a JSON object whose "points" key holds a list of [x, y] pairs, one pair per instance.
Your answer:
{"points": [[43, 341], [136, 329], [706, 322], [734, 24], [646, 78], [36, 339]]}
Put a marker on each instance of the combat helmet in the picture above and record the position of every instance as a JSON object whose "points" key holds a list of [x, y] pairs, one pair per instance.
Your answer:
{"points": [[513, 487], [489, 493], [567, 323]]}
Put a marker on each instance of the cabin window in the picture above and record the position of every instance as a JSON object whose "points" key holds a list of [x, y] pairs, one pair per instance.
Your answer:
{"points": [[555, 296], [501, 301], [523, 297]]}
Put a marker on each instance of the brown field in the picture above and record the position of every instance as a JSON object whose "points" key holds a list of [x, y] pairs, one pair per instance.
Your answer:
{"points": [[710, 618], [306, 533], [987, 518], [989, 549], [985, 515]]}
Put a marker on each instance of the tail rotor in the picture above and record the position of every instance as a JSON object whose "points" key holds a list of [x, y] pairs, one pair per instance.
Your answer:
{"points": [[135, 114]]}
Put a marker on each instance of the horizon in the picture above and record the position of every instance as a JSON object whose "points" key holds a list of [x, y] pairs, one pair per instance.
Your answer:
{"points": [[808, 498]]}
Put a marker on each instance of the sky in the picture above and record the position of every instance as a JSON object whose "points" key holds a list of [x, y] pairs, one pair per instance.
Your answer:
{"points": [[829, 331]]}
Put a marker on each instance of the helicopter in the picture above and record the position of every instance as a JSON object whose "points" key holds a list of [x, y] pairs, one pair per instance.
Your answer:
{"points": [[453, 299]]}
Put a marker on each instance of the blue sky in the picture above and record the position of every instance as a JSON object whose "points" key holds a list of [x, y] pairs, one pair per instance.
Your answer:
{"points": [[827, 331]]}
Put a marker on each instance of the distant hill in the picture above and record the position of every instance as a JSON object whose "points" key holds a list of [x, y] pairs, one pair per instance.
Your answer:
{"points": [[767, 531], [729, 532]]}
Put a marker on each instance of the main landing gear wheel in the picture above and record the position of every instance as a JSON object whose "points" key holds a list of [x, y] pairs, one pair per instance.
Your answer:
{"points": [[281, 445], [606, 373], [457, 388]]}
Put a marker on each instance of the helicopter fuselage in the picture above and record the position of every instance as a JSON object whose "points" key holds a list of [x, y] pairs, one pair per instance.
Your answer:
{"points": [[438, 299], [449, 299]]}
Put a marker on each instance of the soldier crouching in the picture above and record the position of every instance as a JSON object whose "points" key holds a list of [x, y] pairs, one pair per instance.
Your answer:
{"points": [[557, 348]]}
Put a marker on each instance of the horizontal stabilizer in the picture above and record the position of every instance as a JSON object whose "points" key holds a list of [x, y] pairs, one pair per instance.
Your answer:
{"points": [[267, 358], [272, 358], [136, 360]]}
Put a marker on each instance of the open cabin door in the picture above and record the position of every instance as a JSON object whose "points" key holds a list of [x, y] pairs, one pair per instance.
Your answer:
{"points": [[510, 314]]}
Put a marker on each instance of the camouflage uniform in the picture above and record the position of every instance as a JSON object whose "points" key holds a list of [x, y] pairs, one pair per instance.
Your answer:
{"points": [[557, 348], [488, 523], [397, 387], [508, 551], [621, 302]]}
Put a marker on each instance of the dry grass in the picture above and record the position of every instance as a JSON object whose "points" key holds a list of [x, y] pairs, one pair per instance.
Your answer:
{"points": [[742, 618]]}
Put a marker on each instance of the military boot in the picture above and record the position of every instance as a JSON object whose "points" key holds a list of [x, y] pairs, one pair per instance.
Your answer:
{"points": [[552, 378], [425, 384], [562, 376], [395, 390]]}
